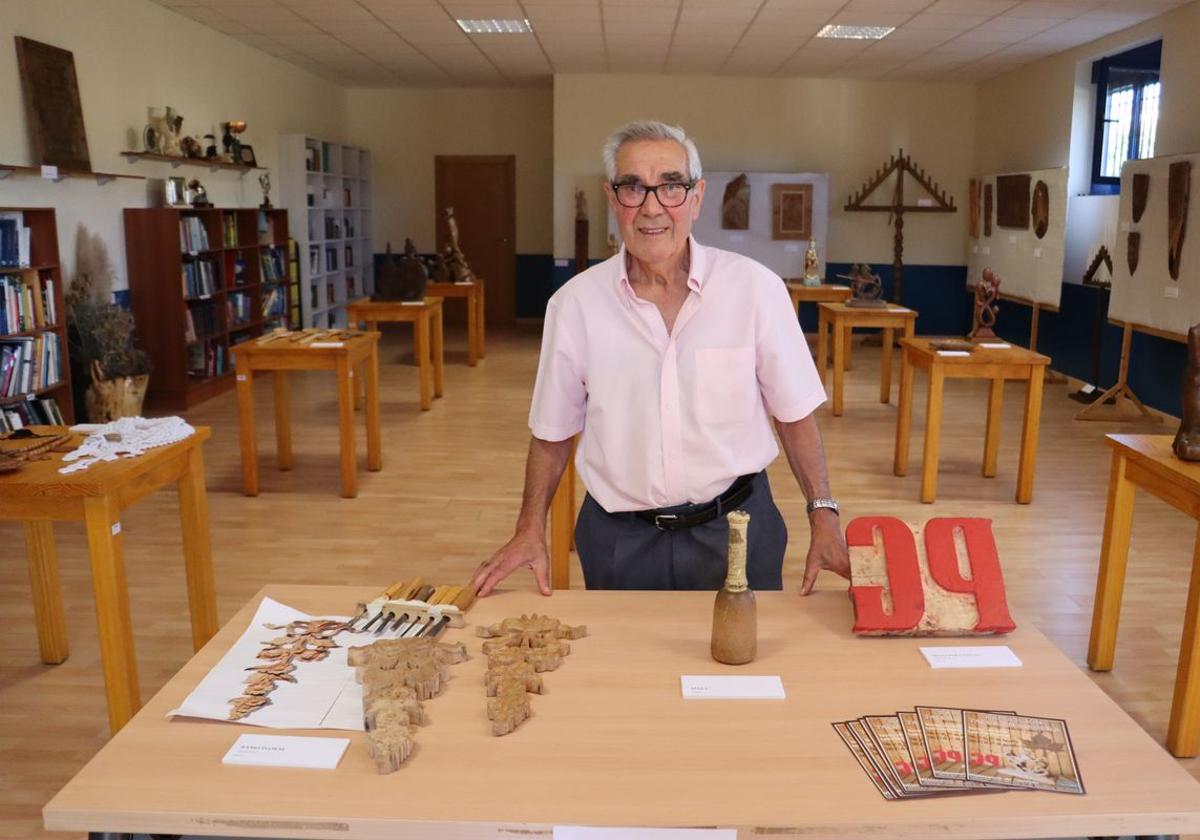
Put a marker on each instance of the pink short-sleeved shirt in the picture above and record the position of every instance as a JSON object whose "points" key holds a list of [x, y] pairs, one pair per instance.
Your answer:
{"points": [[672, 418]]}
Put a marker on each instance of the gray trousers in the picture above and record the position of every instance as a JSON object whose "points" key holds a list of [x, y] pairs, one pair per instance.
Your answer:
{"points": [[621, 551]]}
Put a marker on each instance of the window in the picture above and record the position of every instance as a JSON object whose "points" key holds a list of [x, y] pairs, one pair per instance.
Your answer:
{"points": [[1127, 97]]}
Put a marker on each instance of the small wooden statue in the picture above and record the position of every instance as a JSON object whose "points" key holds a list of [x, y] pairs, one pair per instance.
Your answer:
{"points": [[735, 613], [987, 292], [812, 266], [866, 286], [1187, 439], [460, 271]]}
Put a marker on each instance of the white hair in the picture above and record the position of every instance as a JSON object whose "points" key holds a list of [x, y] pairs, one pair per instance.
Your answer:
{"points": [[650, 130]]}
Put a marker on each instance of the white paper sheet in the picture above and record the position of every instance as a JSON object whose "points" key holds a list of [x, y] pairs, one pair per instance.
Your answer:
{"points": [[324, 696], [720, 687], [971, 656]]}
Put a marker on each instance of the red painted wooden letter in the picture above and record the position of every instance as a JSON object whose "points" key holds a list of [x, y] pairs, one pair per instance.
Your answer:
{"points": [[986, 584], [904, 576]]}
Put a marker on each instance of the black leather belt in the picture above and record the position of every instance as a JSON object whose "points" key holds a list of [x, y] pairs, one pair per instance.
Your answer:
{"points": [[688, 516]]}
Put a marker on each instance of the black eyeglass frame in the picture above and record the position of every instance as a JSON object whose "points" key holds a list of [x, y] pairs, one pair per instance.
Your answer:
{"points": [[688, 186]]}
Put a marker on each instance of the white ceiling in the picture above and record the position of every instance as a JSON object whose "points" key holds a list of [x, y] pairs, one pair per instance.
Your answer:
{"points": [[384, 43]]}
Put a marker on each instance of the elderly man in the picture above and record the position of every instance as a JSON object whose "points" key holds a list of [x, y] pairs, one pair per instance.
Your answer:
{"points": [[669, 359]]}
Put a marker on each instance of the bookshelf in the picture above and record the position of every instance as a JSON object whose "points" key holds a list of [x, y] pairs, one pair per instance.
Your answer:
{"points": [[326, 188], [33, 322], [202, 280]]}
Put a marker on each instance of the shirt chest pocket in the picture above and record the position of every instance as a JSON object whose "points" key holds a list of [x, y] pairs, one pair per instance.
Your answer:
{"points": [[726, 385]]}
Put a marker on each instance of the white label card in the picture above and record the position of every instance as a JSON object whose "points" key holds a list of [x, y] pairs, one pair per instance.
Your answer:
{"points": [[954, 352], [1126, 227], [995, 345], [987, 249], [1171, 291], [792, 247], [1037, 253], [971, 656], [50, 172], [579, 832], [241, 377], [116, 528], [1012, 239], [737, 237], [561, 263], [719, 687], [287, 751], [924, 202]]}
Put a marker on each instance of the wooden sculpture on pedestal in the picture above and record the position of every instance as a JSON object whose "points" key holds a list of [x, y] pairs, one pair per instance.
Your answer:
{"points": [[1187, 439], [460, 271], [865, 286], [402, 279], [518, 649], [987, 291], [735, 611], [897, 207]]}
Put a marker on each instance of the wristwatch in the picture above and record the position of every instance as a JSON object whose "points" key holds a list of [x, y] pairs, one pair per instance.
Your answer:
{"points": [[818, 504]]}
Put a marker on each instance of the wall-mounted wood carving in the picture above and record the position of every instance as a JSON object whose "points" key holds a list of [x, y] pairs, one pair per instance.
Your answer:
{"points": [[1141, 192], [57, 135], [1012, 201], [1102, 258], [1133, 248], [973, 204], [791, 211], [987, 209], [735, 204], [1178, 188], [1040, 209]]}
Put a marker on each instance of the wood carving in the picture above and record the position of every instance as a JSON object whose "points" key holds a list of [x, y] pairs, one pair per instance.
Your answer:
{"points": [[1040, 209], [735, 204], [518, 649], [735, 611], [57, 134], [987, 293], [1102, 258], [1179, 187], [397, 675], [304, 641], [973, 208], [1141, 193], [987, 209], [865, 286], [1012, 201], [791, 211], [896, 208], [1133, 249], [1187, 440], [898, 589]]}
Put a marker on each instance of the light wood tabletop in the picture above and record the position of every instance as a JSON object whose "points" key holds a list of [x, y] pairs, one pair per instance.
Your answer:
{"points": [[612, 742]]}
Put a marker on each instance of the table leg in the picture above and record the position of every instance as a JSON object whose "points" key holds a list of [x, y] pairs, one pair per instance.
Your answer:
{"points": [[360, 391], [903, 415], [1110, 579], [840, 349], [197, 549], [560, 528], [472, 328], [249, 443], [572, 507], [283, 421], [421, 341], [349, 458], [1183, 732], [885, 378], [480, 320], [47, 591], [991, 435], [102, 521], [438, 352], [933, 434], [1029, 436], [822, 344], [847, 357], [374, 439]]}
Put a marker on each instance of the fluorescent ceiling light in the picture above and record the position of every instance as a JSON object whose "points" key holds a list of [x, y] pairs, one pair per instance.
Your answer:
{"points": [[833, 30], [493, 26]]}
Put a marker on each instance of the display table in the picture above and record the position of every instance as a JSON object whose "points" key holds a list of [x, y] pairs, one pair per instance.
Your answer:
{"points": [[38, 495], [280, 356], [473, 294], [426, 319], [1146, 461], [612, 742], [996, 365], [824, 293], [842, 320]]}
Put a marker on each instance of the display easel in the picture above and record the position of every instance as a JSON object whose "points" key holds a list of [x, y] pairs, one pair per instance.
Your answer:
{"points": [[1053, 377], [1121, 389]]}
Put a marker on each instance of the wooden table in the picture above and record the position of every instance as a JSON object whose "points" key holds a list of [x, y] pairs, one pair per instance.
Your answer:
{"points": [[842, 320], [824, 293], [997, 365], [38, 495], [1146, 461], [473, 293], [280, 356], [611, 742], [426, 319]]}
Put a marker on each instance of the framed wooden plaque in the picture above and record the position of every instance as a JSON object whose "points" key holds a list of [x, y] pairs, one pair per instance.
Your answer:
{"points": [[51, 91], [791, 211]]}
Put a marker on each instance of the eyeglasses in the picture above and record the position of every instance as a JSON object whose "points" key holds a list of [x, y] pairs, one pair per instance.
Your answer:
{"points": [[670, 194]]}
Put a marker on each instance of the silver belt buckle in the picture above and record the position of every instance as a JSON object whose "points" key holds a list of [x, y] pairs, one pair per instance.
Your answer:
{"points": [[661, 517]]}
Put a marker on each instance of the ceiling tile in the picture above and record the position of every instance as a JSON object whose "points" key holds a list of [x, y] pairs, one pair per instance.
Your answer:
{"points": [[907, 6], [971, 7], [881, 18], [930, 20]]}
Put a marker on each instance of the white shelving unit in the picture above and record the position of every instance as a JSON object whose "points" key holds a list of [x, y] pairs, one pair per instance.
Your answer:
{"points": [[326, 188]]}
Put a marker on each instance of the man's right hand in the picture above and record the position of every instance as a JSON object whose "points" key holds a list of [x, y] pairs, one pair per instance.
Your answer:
{"points": [[522, 550]]}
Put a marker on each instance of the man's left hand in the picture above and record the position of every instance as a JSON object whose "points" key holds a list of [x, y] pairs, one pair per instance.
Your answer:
{"points": [[826, 551]]}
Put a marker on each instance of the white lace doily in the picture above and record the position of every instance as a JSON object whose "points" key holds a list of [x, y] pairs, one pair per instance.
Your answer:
{"points": [[127, 437]]}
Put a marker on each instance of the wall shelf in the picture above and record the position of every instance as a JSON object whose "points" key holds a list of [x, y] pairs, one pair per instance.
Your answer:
{"points": [[211, 165], [9, 169]]}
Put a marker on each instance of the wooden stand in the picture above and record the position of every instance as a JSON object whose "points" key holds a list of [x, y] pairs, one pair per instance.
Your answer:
{"points": [[842, 320], [38, 495], [562, 525], [473, 293], [426, 319], [1121, 390]]}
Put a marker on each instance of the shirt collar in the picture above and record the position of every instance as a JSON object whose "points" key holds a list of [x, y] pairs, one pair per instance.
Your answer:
{"points": [[697, 275]]}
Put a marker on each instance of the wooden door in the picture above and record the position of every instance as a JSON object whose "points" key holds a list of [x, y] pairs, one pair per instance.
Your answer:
{"points": [[482, 190]]}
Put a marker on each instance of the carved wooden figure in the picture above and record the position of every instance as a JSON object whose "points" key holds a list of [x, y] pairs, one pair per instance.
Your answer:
{"points": [[735, 612], [1187, 440], [518, 649], [987, 291], [900, 590]]}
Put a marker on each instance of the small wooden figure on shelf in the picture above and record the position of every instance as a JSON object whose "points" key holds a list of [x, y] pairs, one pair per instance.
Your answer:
{"points": [[866, 286], [987, 292], [735, 612], [198, 193], [812, 266], [1187, 439], [264, 181]]}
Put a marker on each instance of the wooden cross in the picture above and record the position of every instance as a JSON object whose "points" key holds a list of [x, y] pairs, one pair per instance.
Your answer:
{"points": [[940, 203]]}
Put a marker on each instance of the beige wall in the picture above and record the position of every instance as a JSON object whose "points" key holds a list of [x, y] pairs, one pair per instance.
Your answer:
{"points": [[406, 127], [132, 53], [844, 127]]}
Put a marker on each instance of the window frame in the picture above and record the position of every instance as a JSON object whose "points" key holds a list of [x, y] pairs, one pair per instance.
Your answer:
{"points": [[1147, 57]]}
